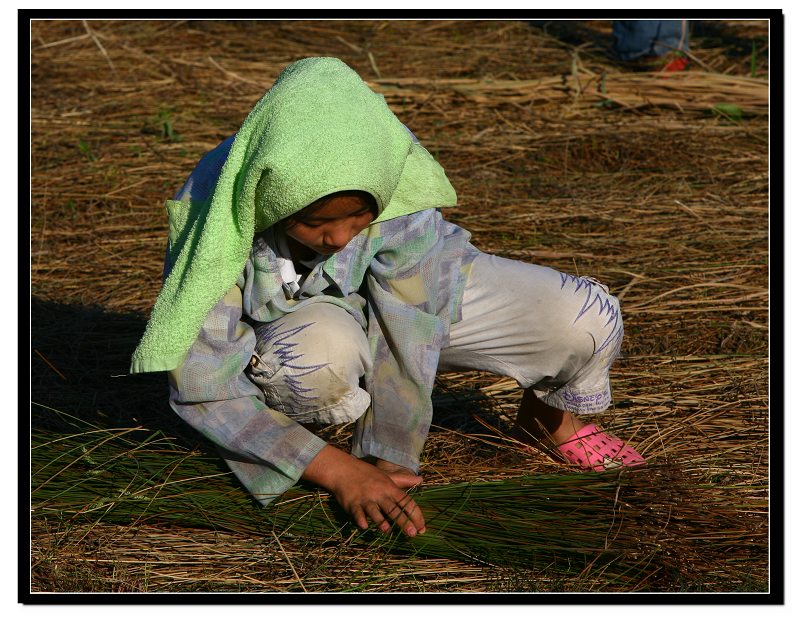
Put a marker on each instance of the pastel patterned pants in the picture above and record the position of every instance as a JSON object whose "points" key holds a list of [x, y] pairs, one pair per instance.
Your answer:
{"points": [[546, 329]]}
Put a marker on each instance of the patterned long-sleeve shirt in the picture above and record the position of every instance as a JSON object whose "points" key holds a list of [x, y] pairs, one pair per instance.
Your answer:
{"points": [[402, 280]]}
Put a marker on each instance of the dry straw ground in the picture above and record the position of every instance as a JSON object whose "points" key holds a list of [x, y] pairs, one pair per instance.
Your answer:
{"points": [[560, 156]]}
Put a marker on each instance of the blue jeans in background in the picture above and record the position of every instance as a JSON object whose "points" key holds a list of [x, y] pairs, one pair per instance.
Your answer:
{"points": [[649, 37]]}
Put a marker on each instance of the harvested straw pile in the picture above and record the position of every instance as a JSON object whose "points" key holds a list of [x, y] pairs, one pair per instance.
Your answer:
{"points": [[695, 92], [639, 180]]}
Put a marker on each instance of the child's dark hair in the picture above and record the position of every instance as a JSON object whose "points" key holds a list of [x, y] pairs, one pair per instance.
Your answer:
{"points": [[308, 211]]}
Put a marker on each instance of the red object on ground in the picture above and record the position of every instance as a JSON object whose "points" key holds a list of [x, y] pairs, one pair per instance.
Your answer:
{"points": [[679, 63]]}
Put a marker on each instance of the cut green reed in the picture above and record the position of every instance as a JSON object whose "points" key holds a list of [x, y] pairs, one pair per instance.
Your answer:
{"points": [[629, 524]]}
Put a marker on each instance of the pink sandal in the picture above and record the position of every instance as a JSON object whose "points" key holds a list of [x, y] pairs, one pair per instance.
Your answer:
{"points": [[591, 448]]}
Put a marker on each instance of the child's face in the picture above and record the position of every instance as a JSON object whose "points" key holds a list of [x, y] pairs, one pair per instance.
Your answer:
{"points": [[328, 229]]}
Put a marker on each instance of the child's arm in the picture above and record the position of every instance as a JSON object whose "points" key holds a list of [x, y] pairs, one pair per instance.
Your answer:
{"points": [[268, 451], [210, 391], [366, 491], [413, 284]]}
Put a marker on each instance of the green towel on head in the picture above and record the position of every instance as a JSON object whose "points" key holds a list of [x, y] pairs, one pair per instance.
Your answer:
{"points": [[318, 130]]}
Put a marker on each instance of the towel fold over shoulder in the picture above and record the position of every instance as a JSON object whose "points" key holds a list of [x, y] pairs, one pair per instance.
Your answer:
{"points": [[320, 129]]}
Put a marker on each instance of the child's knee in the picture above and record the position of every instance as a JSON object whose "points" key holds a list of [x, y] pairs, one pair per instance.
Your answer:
{"points": [[325, 333], [310, 367], [590, 309]]}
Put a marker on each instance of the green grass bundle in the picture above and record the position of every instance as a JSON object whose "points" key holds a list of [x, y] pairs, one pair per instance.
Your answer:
{"points": [[616, 524]]}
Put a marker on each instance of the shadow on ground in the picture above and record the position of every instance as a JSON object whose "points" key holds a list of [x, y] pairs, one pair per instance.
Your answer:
{"points": [[79, 378], [79, 367]]}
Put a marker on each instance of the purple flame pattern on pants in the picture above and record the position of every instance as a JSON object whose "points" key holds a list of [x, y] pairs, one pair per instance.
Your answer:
{"points": [[286, 350], [600, 304]]}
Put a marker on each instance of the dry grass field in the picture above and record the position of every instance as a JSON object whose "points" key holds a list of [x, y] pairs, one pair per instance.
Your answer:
{"points": [[656, 184]]}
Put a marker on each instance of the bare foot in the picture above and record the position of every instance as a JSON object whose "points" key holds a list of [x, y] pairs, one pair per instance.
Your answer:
{"points": [[537, 423]]}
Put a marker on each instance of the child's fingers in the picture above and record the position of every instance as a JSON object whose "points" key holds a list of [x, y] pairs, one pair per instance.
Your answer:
{"points": [[417, 518], [377, 517], [406, 514], [360, 518]]}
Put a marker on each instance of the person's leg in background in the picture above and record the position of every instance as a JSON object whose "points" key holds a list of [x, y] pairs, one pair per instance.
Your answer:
{"points": [[645, 40]]}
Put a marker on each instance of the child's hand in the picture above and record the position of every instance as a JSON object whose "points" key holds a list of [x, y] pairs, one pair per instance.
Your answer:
{"points": [[401, 476], [366, 492]]}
